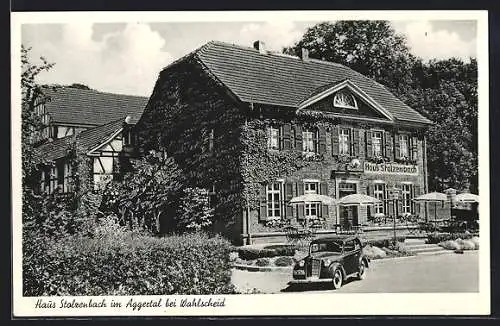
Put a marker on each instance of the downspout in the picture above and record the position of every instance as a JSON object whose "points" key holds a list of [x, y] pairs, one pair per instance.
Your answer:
{"points": [[426, 190]]}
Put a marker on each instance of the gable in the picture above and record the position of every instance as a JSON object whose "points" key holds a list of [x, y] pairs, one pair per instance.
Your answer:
{"points": [[345, 98], [361, 108]]}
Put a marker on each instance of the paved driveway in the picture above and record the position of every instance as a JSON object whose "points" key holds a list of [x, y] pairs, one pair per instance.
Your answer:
{"points": [[435, 273]]}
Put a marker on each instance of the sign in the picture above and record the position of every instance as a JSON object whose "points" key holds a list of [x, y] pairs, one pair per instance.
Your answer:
{"points": [[390, 168]]}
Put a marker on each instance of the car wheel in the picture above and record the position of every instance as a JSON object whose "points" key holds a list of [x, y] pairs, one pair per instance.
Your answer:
{"points": [[362, 270], [338, 278]]}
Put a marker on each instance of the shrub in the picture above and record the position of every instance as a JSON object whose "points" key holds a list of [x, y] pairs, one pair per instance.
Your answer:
{"points": [[284, 261], [435, 237], [475, 240], [263, 262], [385, 242], [459, 244], [127, 264], [195, 213], [373, 252], [251, 253]]}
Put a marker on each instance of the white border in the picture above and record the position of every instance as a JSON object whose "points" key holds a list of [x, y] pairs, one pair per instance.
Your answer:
{"points": [[287, 304]]}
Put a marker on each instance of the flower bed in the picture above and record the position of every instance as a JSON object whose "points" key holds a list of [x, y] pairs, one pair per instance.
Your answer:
{"points": [[268, 251], [436, 238]]}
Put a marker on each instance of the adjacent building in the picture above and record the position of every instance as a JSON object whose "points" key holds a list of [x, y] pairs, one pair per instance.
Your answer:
{"points": [[90, 123], [257, 128]]}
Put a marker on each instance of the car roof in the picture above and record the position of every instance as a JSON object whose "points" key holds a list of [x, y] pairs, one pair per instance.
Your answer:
{"points": [[335, 237]]}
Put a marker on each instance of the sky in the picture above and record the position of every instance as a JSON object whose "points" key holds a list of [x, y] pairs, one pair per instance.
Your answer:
{"points": [[126, 58]]}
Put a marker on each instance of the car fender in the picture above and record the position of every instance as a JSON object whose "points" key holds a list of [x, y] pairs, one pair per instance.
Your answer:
{"points": [[366, 259], [333, 266]]}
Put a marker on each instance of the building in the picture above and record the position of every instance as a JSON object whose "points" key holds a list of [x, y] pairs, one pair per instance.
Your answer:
{"points": [[90, 122], [257, 128]]}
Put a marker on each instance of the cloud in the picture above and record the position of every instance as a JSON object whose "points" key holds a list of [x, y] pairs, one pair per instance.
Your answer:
{"points": [[429, 43], [126, 61], [275, 34]]}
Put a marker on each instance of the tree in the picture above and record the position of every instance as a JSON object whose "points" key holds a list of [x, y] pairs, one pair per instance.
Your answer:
{"points": [[372, 48], [32, 97], [147, 197], [195, 213]]}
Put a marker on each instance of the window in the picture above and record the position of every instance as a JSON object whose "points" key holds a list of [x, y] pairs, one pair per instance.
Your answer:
{"points": [[349, 246], [274, 199], [311, 209], [273, 138], [404, 146], [344, 142], [345, 100], [309, 141], [68, 175], [212, 197], [211, 137], [378, 192], [377, 143], [52, 179], [406, 198], [43, 176], [103, 170]]}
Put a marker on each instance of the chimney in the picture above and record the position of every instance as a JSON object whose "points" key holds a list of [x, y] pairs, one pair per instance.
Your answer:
{"points": [[259, 45], [305, 54]]}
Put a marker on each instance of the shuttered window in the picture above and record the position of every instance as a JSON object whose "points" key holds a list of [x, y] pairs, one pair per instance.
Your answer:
{"points": [[377, 143], [274, 193], [406, 198], [404, 146], [273, 138], [344, 141], [379, 193]]}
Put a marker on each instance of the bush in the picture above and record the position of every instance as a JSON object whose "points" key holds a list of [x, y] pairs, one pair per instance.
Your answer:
{"points": [[373, 252], [126, 264], [284, 261], [435, 237], [386, 242], [460, 244], [263, 262], [251, 253]]}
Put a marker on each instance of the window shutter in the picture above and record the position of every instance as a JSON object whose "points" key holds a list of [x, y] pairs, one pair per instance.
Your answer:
{"points": [[369, 192], [335, 140], [389, 152], [300, 207], [355, 142], [397, 152], [263, 203], [321, 140], [280, 137], [416, 193], [298, 138], [286, 131], [368, 143], [323, 190], [414, 147], [387, 204], [288, 197]]}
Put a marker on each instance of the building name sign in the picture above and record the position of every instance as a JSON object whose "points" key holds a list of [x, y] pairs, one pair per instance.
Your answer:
{"points": [[390, 168]]}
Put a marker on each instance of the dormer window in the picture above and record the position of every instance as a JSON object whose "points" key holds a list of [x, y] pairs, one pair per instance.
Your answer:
{"points": [[345, 100]]}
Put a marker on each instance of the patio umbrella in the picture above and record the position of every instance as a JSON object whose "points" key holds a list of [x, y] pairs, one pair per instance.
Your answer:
{"points": [[467, 198], [313, 198], [432, 197], [358, 200]]}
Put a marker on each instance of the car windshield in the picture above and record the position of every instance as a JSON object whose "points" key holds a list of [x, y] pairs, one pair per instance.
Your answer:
{"points": [[330, 246]]}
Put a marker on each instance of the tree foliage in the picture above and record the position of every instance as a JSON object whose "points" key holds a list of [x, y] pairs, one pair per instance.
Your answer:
{"points": [[445, 91], [32, 96], [195, 213], [147, 196]]}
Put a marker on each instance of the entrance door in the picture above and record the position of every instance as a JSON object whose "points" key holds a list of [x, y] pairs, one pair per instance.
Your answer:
{"points": [[348, 214]]}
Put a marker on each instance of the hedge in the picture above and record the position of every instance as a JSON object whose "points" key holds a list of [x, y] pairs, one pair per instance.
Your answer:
{"points": [[385, 242], [435, 238], [251, 253], [128, 264]]}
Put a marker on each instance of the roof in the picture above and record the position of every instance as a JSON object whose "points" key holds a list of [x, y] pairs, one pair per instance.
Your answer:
{"points": [[70, 105], [281, 80], [87, 140]]}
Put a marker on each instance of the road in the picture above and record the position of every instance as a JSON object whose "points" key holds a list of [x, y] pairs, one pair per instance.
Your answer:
{"points": [[435, 273]]}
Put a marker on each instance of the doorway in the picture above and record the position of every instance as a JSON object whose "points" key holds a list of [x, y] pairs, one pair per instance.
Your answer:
{"points": [[348, 214]]}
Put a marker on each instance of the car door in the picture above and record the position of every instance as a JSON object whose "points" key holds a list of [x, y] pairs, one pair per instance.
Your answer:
{"points": [[350, 262]]}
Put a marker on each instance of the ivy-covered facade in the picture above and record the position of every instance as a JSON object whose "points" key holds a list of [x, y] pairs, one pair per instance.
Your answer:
{"points": [[257, 128]]}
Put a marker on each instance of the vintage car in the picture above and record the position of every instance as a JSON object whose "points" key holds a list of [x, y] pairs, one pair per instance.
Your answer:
{"points": [[333, 260]]}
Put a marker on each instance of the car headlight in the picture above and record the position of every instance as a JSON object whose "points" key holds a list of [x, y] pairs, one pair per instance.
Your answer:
{"points": [[327, 262], [301, 263]]}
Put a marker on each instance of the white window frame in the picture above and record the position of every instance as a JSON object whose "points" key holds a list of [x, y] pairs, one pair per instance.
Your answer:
{"points": [[406, 198], [273, 138], [379, 194], [340, 100], [311, 210], [344, 141], [404, 151], [274, 207], [381, 133], [308, 145]]}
